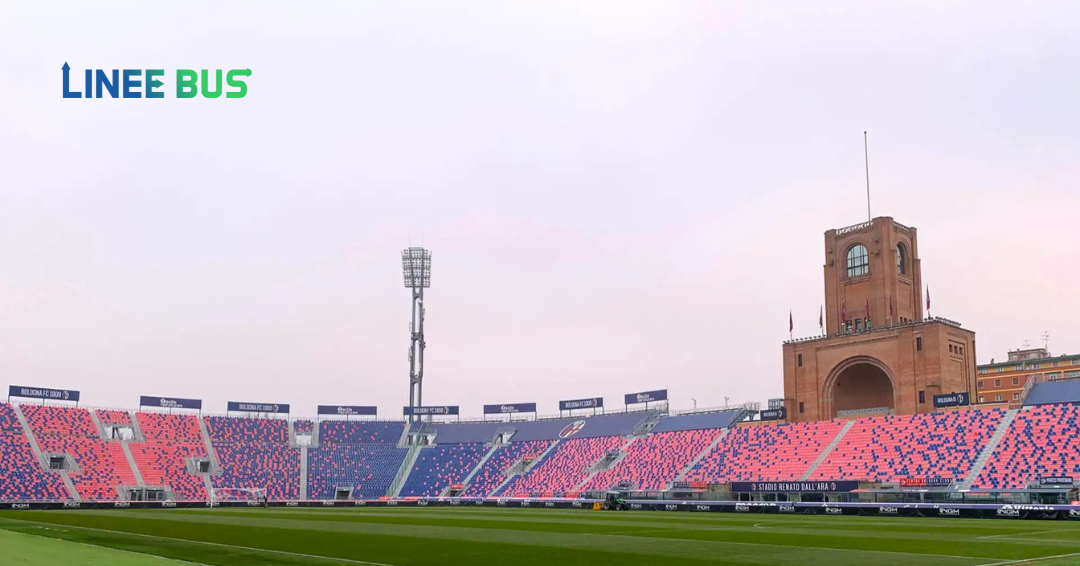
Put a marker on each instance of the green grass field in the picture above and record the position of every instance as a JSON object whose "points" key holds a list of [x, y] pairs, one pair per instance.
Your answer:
{"points": [[475, 536]]}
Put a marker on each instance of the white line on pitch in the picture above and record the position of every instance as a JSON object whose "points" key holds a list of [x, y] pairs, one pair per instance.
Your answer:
{"points": [[316, 556], [1024, 534], [1031, 560], [107, 547]]}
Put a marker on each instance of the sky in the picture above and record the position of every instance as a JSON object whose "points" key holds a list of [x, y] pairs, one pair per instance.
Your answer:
{"points": [[619, 196]]}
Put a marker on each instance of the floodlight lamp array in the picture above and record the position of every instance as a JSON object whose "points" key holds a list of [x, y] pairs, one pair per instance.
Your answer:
{"points": [[416, 267]]}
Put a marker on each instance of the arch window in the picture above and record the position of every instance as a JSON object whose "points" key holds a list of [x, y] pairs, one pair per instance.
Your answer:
{"points": [[858, 263], [901, 259]]}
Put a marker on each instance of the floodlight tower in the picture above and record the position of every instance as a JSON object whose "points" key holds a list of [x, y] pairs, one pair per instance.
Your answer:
{"points": [[416, 265]]}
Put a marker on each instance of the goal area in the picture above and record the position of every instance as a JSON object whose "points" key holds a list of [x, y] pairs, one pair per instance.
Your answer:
{"points": [[249, 494]]}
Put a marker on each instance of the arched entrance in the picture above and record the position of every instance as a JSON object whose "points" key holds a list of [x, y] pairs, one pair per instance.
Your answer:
{"points": [[860, 383]]}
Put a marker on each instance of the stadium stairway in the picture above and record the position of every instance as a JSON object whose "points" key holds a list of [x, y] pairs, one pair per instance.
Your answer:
{"points": [[511, 477], [131, 462], [32, 441], [828, 450], [988, 450], [215, 464], [303, 472], [480, 464], [597, 467], [403, 472], [137, 429], [97, 425], [712, 446]]}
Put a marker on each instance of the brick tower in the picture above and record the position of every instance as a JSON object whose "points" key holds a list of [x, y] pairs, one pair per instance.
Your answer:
{"points": [[879, 353]]}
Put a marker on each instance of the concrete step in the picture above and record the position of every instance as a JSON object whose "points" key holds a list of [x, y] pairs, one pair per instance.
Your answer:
{"points": [[131, 462], [828, 450], [988, 450], [712, 446]]}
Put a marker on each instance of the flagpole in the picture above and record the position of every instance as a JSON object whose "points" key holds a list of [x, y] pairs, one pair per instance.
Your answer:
{"points": [[866, 161]]}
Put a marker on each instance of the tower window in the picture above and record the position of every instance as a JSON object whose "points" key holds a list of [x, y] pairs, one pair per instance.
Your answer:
{"points": [[901, 259], [858, 262], [922, 397], [918, 343], [802, 408], [800, 360]]}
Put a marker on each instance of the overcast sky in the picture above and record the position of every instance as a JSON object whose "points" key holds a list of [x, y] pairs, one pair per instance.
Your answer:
{"points": [[619, 196]]}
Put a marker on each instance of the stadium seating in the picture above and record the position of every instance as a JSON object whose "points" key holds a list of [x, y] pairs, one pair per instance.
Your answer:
{"points": [[565, 467], [303, 426], [360, 432], [274, 467], [162, 426], [109, 416], [654, 461], [765, 452], [1041, 441], [890, 448], [254, 453], [170, 440], [9, 423], [438, 467], [162, 463], [367, 468], [493, 472], [102, 466], [248, 430], [21, 475], [59, 421]]}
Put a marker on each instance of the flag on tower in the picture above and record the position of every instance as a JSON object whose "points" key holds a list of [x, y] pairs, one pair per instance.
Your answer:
{"points": [[821, 319], [890, 307], [843, 310], [928, 299], [867, 309], [790, 322]]}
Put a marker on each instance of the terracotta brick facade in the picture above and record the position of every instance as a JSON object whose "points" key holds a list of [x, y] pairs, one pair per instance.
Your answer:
{"points": [[891, 359]]}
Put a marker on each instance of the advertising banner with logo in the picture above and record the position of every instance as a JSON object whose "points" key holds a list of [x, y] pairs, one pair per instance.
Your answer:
{"points": [[510, 408], [952, 400], [348, 410], [774, 414], [645, 397], [43, 393], [573, 404], [419, 411], [1066, 481], [243, 407], [170, 402], [794, 486], [925, 482]]}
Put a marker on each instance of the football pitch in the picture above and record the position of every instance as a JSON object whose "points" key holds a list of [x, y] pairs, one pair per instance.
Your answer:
{"points": [[550, 537]]}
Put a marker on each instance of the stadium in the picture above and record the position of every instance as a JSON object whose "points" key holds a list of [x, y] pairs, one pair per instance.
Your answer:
{"points": [[682, 256], [870, 484]]}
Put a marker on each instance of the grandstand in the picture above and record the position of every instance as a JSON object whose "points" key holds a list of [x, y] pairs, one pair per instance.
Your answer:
{"points": [[50, 452]]}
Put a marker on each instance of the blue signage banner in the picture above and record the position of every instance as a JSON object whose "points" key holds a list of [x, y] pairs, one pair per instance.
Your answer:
{"points": [[774, 414], [952, 400], [420, 411], [43, 393], [348, 410], [1057, 480], [258, 407], [646, 397], [593, 403], [794, 486], [170, 402], [510, 408]]}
